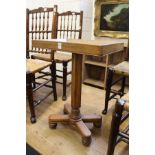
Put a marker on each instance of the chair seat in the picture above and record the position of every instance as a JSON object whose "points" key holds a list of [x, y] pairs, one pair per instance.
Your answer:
{"points": [[122, 68], [33, 66], [58, 57], [126, 98]]}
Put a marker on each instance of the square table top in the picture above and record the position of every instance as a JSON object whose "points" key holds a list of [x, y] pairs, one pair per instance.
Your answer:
{"points": [[81, 46]]}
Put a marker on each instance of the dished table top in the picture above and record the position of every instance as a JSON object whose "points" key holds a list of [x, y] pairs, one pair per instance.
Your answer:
{"points": [[81, 46]]}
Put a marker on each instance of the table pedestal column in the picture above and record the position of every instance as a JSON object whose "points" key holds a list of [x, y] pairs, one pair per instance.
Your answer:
{"points": [[73, 115]]}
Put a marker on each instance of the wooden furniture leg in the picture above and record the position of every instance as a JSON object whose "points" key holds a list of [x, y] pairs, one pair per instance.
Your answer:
{"points": [[74, 117], [123, 86], [109, 84], [97, 121], [116, 119], [29, 92], [33, 77], [108, 89], [53, 72], [84, 131], [64, 97]]}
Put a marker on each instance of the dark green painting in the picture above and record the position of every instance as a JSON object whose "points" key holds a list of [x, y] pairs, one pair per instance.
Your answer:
{"points": [[114, 17]]}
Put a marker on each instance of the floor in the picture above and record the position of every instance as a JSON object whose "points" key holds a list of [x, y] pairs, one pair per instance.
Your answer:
{"points": [[64, 140]]}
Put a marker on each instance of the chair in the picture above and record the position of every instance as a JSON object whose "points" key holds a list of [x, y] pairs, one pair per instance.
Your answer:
{"points": [[117, 135], [37, 27], [68, 26], [121, 70], [32, 67]]}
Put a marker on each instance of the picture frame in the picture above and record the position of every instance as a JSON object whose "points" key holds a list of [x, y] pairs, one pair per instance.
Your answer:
{"points": [[111, 18]]}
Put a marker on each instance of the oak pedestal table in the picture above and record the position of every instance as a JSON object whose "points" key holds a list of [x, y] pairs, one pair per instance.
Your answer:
{"points": [[78, 48]]}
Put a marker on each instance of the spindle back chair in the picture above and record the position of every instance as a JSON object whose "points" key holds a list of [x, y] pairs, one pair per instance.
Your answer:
{"points": [[67, 25], [39, 25], [121, 70]]}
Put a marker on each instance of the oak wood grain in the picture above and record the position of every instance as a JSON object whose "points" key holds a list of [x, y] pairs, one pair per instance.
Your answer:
{"points": [[80, 46]]}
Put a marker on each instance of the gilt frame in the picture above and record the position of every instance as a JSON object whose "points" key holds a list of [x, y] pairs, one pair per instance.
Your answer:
{"points": [[107, 33]]}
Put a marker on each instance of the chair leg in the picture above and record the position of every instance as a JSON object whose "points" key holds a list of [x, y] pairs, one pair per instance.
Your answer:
{"points": [[116, 119], [34, 84], [29, 92], [108, 89], [33, 76], [53, 74], [64, 97], [123, 86], [27, 54]]}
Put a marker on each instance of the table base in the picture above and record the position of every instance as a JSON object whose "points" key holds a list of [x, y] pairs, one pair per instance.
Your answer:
{"points": [[79, 124]]}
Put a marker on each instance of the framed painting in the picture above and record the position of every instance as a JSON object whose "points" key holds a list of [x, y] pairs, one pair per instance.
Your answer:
{"points": [[112, 18]]}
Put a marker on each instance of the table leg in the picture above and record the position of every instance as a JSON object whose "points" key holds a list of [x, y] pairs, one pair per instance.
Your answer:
{"points": [[97, 120], [84, 131], [76, 86], [74, 116]]}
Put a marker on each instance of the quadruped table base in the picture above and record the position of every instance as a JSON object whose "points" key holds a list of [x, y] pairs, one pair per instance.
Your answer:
{"points": [[77, 122]]}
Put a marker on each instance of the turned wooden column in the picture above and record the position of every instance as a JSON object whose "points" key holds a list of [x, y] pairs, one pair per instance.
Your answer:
{"points": [[76, 86]]}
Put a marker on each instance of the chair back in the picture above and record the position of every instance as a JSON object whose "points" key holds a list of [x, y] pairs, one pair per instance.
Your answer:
{"points": [[40, 24], [69, 25]]}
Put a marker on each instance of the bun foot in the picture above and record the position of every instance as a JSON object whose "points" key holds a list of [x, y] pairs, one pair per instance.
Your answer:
{"points": [[33, 120], [104, 112], [52, 125], [64, 98], [65, 111]]}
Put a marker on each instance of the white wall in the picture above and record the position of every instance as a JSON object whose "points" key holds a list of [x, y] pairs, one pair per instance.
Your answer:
{"points": [[87, 7], [63, 5]]}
